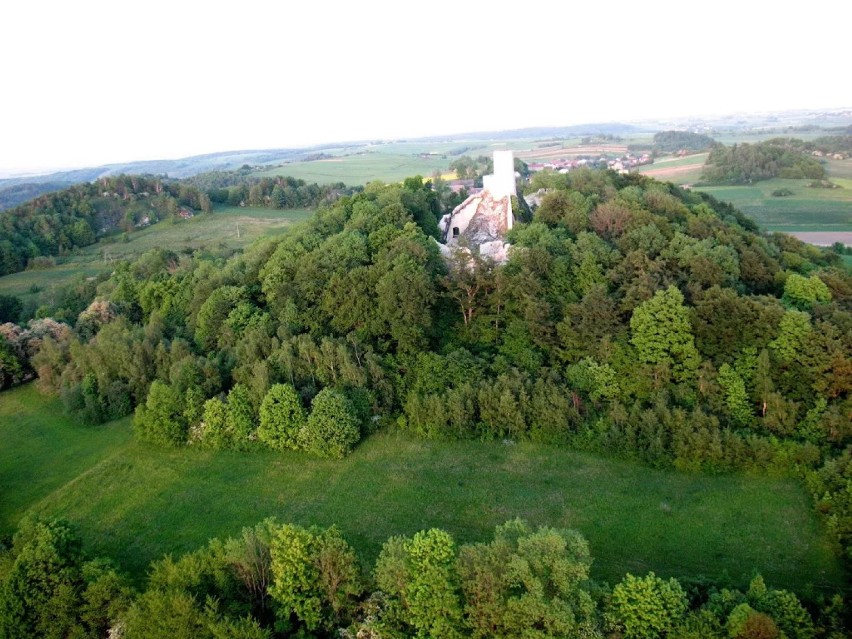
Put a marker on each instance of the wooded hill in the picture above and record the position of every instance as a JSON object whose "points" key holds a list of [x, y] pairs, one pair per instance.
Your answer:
{"points": [[747, 163]]}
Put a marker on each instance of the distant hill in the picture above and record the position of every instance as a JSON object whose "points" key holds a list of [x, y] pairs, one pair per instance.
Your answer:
{"points": [[16, 194], [747, 163], [600, 128]]}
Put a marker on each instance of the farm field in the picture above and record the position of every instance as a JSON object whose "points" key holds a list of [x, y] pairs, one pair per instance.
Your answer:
{"points": [[135, 502], [394, 161], [680, 170], [808, 209], [360, 168], [567, 150], [217, 230]]}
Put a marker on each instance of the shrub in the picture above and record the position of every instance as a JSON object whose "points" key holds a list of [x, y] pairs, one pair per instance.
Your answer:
{"points": [[332, 427], [281, 418]]}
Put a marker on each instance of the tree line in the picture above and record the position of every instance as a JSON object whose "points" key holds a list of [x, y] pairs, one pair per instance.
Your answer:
{"points": [[282, 580], [674, 141], [826, 144], [632, 319]]}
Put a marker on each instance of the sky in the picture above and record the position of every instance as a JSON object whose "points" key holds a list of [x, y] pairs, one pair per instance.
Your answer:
{"points": [[89, 82]]}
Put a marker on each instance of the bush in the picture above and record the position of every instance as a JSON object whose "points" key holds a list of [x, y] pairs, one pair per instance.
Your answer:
{"points": [[281, 418], [160, 419], [40, 262], [332, 428]]}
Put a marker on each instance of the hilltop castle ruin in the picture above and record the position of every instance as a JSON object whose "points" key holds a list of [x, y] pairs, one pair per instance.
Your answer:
{"points": [[481, 222]]}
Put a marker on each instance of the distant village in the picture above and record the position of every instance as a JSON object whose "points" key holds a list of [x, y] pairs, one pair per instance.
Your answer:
{"points": [[621, 164]]}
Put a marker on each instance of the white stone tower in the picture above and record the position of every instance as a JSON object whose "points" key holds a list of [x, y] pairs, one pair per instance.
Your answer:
{"points": [[502, 182]]}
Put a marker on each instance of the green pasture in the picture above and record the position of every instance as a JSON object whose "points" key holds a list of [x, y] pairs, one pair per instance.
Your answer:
{"points": [[135, 502], [808, 209], [226, 227]]}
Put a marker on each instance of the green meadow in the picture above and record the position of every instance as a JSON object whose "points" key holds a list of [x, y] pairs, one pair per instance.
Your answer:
{"points": [[135, 502]]}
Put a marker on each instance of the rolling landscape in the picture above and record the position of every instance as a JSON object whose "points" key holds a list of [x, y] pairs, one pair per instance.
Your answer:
{"points": [[262, 394]]}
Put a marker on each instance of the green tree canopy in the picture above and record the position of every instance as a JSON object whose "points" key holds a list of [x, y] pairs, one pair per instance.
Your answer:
{"points": [[315, 576], [647, 607], [527, 583], [662, 335]]}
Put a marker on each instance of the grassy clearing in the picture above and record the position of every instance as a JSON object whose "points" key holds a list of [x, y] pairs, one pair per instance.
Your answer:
{"points": [[135, 502], [218, 229], [43, 450]]}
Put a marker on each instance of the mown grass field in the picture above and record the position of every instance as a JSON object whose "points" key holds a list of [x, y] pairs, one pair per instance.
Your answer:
{"points": [[135, 502], [228, 227]]}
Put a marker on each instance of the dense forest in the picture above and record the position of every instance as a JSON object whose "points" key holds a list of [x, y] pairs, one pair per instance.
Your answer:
{"points": [[674, 141], [277, 580], [57, 223], [632, 319], [746, 163], [240, 188]]}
